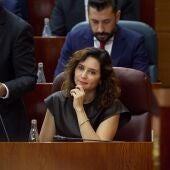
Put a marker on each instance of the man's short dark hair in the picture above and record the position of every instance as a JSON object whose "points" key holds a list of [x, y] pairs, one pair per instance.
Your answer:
{"points": [[102, 4]]}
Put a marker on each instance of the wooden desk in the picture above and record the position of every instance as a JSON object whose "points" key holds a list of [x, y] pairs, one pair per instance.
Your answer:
{"points": [[163, 98], [156, 85], [76, 156]]}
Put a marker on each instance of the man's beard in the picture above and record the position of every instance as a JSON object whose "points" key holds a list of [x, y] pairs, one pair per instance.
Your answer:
{"points": [[104, 36]]}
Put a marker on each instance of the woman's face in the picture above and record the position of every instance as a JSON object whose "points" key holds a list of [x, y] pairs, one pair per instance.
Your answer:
{"points": [[87, 74]]}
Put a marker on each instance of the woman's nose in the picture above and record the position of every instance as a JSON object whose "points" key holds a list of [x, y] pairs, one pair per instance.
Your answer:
{"points": [[84, 74]]}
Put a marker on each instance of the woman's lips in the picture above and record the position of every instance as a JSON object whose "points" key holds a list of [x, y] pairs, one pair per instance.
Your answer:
{"points": [[83, 83]]}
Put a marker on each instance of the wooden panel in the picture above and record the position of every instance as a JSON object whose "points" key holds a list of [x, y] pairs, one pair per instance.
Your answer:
{"points": [[47, 50], [162, 17], [76, 156], [156, 85], [147, 12], [34, 102], [163, 97], [37, 11], [164, 58]]}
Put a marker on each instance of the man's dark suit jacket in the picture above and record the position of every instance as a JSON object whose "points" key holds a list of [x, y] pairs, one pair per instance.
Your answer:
{"points": [[127, 51], [17, 72], [18, 7], [67, 13]]}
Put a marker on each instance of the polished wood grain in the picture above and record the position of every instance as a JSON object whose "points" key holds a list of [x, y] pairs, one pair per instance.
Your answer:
{"points": [[162, 21], [164, 59], [162, 26], [156, 85], [163, 98], [147, 12], [76, 156], [47, 50], [34, 102], [37, 11]]}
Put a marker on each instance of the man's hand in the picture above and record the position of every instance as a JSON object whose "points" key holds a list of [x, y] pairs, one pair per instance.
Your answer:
{"points": [[2, 90]]}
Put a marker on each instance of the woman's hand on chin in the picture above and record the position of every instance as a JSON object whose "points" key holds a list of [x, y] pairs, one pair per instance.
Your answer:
{"points": [[78, 94]]}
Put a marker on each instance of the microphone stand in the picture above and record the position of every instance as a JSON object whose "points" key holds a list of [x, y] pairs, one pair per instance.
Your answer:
{"points": [[63, 138]]}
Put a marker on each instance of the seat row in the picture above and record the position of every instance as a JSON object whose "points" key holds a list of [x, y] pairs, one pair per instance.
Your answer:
{"points": [[48, 49], [39, 9]]}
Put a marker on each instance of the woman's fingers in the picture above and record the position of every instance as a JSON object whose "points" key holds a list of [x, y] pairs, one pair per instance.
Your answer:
{"points": [[77, 91]]}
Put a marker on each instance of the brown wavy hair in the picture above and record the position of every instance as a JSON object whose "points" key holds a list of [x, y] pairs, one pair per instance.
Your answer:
{"points": [[108, 89]]}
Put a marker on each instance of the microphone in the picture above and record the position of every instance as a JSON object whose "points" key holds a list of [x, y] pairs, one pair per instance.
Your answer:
{"points": [[4, 129], [58, 138]]}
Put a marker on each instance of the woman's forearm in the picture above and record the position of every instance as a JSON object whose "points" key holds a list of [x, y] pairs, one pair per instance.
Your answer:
{"points": [[86, 129]]}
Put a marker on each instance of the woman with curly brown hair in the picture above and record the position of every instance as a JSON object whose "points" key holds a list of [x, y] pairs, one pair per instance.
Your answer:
{"points": [[88, 106]]}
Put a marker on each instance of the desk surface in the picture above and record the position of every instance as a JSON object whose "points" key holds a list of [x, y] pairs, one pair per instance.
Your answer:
{"points": [[76, 156]]}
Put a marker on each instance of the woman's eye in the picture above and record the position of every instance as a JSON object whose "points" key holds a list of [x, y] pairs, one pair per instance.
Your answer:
{"points": [[92, 72], [80, 67]]}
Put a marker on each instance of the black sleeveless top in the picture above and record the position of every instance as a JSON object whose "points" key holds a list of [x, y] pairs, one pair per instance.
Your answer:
{"points": [[66, 119]]}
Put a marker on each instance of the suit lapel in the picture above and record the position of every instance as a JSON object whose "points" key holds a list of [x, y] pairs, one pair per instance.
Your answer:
{"points": [[80, 7], [118, 47], [2, 23], [87, 40], [81, 4]]}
